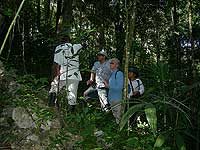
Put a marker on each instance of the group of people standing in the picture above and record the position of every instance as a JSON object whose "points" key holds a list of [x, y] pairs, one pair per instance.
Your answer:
{"points": [[106, 79], [109, 83]]}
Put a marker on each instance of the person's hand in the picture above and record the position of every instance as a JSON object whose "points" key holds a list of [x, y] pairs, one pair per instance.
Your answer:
{"points": [[136, 93], [89, 82]]}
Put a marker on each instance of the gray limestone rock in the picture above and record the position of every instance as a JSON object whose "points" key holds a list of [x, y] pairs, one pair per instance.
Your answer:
{"points": [[22, 118]]}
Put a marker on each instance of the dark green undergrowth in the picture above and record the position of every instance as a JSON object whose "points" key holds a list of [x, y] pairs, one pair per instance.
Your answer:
{"points": [[79, 127]]}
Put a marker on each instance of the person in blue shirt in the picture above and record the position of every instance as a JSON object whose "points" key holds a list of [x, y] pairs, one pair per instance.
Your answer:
{"points": [[115, 86]]}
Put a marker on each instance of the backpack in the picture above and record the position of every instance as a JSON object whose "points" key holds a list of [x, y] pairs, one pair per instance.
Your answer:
{"points": [[116, 72]]}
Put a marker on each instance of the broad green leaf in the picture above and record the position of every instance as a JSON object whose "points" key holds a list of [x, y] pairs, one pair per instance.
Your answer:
{"points": [[151, 116], [160, 140], [129, 113], [132, 141], [180, 142]]}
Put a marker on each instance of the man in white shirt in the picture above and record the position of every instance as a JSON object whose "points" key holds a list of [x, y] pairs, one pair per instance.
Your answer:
{"points": [[66, 72]]}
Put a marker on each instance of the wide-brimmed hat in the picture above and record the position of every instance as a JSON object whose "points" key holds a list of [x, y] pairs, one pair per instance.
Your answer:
{"points": [[102, 52]]}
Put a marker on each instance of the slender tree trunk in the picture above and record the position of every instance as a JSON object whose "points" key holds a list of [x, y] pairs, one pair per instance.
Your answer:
{"points": [[101, 37], [194, 102], [175, 50], [23, 48], [47, 11], [67, 16], [158, 45], [38, 14], [11, 25], [130, 27], [129, 38], [191, 41], [119, 34], [11, 37], [1, 26], [58, 14], [176, 39]]}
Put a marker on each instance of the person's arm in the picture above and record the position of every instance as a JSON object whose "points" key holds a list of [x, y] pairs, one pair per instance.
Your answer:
{"points": [[77, 48], [91, 80], [92, 74], [141, 89], [55, 70]]}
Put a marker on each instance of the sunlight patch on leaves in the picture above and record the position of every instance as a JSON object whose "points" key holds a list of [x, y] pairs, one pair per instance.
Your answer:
{"points": [[150, 112], [160, 140]]}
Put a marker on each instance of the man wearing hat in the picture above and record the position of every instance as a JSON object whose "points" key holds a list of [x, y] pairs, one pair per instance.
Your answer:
{"points": [[100, 75]]}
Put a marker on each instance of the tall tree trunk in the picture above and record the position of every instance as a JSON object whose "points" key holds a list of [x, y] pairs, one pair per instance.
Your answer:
{"points": [[174, 58], [47, 13], [129, 38], [58, 14], [194, 102], [191, 41], [38, 14], [11, 37], [158, 45], [101, 37], [119, 34], [67, 16], [23, 48], [130, 27], [176, 38], [2, 18]]}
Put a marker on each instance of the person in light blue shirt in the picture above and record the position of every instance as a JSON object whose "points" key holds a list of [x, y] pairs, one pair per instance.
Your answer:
{"points": [[115, 85]]}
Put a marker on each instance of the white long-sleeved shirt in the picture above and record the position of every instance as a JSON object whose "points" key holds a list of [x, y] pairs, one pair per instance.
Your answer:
{"points": [[137, 86], [68, 59]]}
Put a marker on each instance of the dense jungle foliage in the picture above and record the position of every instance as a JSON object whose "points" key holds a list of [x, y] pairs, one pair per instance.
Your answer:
{"points": [[160, 37]]}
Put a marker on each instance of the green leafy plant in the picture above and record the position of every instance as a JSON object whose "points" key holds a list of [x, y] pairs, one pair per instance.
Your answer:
{"points": [[161, 105]]}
